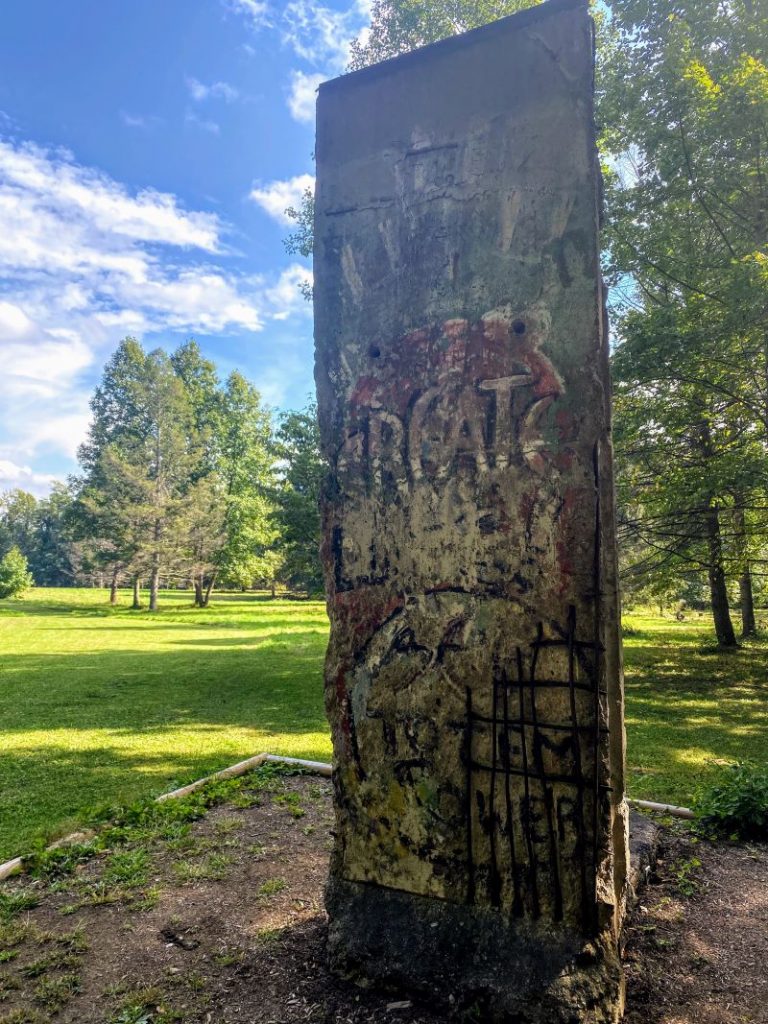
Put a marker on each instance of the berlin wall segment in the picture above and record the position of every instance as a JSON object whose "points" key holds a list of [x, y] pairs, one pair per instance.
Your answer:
{"points": [[473, 676]]}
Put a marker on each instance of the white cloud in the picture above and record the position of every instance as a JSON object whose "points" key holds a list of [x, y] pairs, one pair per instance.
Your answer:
{"points": [[301, 96], [256, 12], [83, 261], [321, 35], [286, 295], [197, 295], [216, 90], [14, 322], [206, 125], [139, 120], [44, 365], [276, 196], [50, 187], [61, 433], [24, 477]]}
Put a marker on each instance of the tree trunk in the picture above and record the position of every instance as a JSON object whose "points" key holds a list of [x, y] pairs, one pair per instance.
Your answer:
{"points": [[717, 585], [747, 603], [113, 587], [208, 589], [136, 592], [198, 582], [746, 600], [274, 589], [154, 582]]}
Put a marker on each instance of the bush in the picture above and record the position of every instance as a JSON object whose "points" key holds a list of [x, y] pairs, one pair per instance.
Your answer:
{"points": [[736, 804], [15, 576]]}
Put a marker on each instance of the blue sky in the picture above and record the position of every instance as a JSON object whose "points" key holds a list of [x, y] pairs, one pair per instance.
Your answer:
{"points": [[147, 153]]}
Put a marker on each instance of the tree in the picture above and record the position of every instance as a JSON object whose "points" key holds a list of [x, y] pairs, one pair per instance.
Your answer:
{"points": [[105, 521], [18, 511], [398, 26], [41, 528], [684, 108], [298, 496], [15, 576], [202, 385], [140, 458], [182, 484], [160, 463], [692, 466], [115, 408], [53, 561], [246, 467], [203, 527]]}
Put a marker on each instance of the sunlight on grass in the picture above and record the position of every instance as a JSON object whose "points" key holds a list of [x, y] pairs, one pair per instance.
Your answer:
{"points": [[689, 706], [103, 705]]}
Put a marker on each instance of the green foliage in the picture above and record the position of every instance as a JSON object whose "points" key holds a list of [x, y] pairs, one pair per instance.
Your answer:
{"points": [[54, 993], [298, 497], [291, 802], [59, 862], [18, 511], [177, 475], [736, 803], [211, 868], [683, 105], [41, 529], [127, 868], [15, 576], [247, 470], [146, 1006], [684, 874], [398, 26], [301, 241], [14, 903], [271, 887]]}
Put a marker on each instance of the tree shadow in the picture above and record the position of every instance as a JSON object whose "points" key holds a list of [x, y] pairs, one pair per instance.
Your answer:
{"points": [[688, 709]]}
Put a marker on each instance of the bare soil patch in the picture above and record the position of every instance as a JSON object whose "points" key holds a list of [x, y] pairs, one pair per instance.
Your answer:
{"points": [[697, 941], [220, 921]]}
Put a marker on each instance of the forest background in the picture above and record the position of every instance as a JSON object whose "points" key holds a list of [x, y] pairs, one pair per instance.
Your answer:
{"points": [[188, 480]]}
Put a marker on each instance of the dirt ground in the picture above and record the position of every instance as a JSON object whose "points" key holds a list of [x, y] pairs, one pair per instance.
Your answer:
{"points": [[221, 922], [697, 941]]}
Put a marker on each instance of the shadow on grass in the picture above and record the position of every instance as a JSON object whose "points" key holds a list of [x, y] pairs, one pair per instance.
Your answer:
{"points": [[280, 678], [688, 708], [85, 728]]}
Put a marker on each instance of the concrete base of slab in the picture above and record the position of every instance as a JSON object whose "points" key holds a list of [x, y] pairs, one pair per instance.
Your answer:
{"points": [[470, 958], [643, 848]]}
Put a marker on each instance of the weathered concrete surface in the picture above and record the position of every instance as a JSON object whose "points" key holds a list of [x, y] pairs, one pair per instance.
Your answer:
{"points": [[643, 849], [473, 677]]}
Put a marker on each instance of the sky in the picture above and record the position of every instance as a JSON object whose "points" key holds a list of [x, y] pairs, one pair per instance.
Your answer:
{"points": [[148, 151]]}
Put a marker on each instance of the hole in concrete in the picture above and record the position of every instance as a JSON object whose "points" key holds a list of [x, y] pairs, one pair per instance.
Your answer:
{"points": [[374, 351], [518, 327]]}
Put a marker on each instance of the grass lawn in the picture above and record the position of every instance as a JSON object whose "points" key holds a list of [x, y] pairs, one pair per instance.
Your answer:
{"points": [[101, 705], [689, 706]]}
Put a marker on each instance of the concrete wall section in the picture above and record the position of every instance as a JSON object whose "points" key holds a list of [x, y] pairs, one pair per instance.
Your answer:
{"points": [[473, 677]]}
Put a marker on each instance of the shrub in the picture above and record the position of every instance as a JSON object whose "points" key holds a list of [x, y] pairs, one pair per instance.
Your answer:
{"points": [[15, 576], [736, 804]]}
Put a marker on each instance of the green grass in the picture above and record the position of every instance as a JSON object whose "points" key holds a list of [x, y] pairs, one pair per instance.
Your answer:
{"points": [[102, 705], [689, 706]]}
